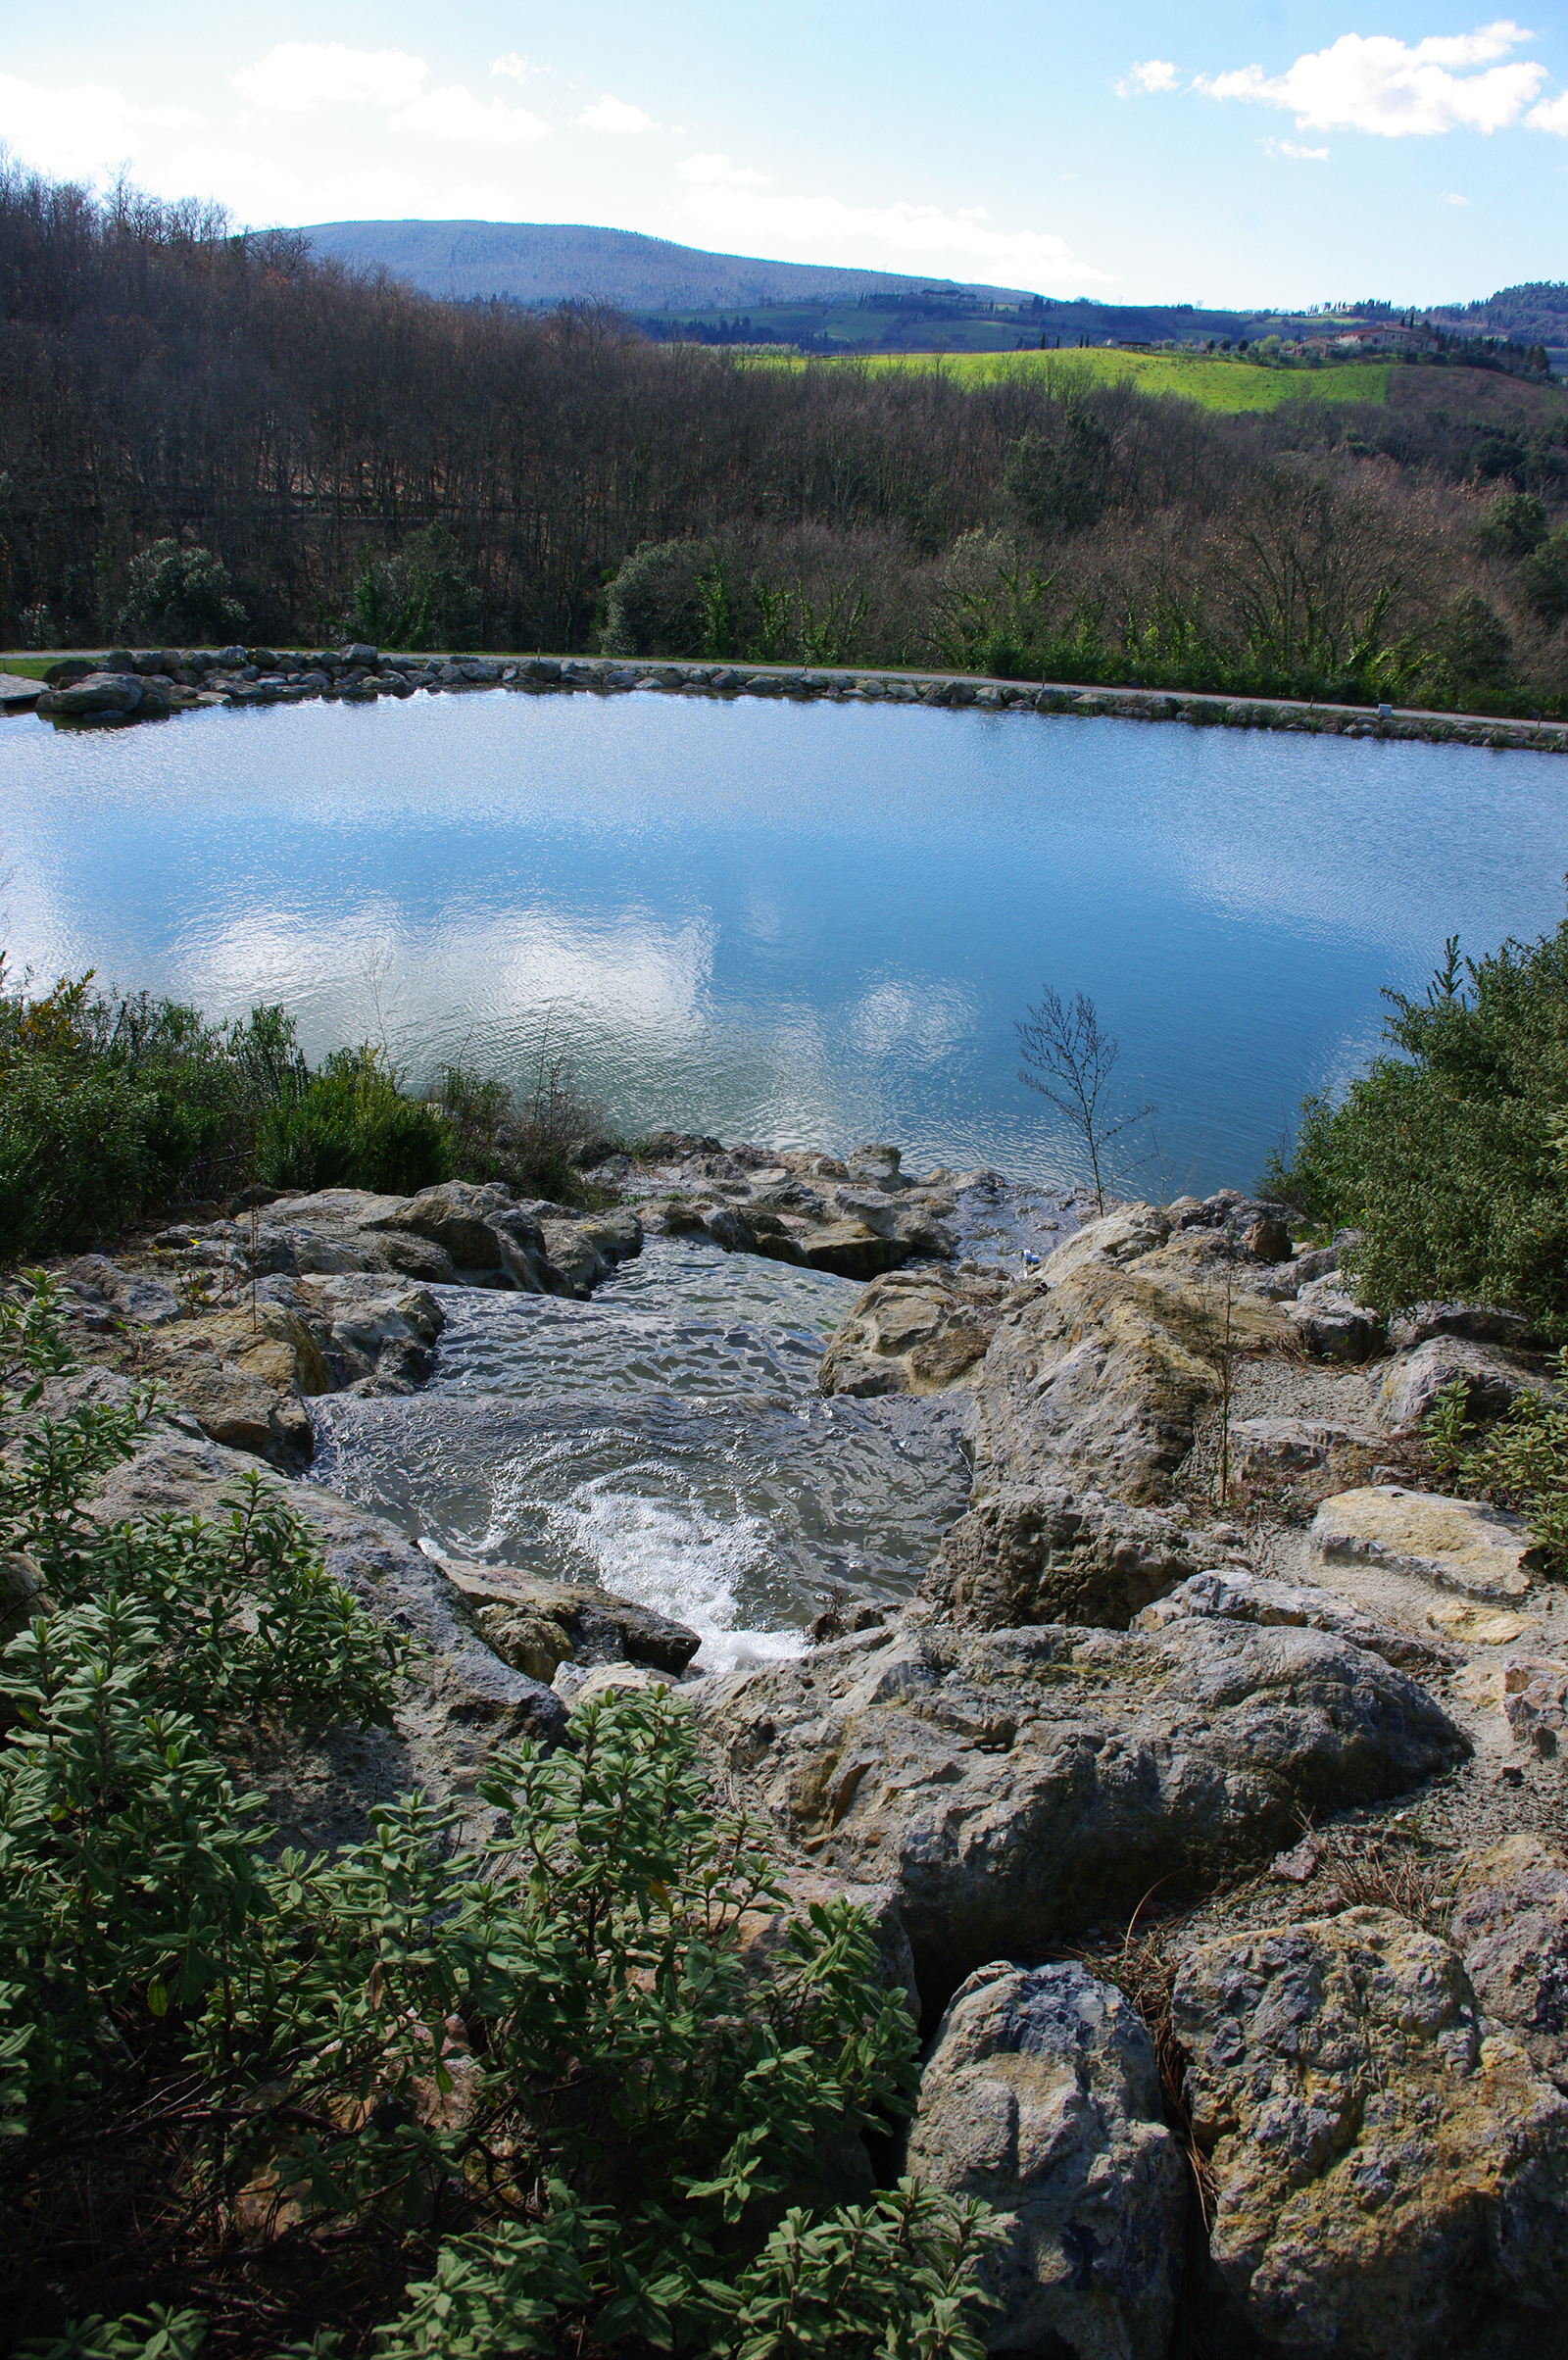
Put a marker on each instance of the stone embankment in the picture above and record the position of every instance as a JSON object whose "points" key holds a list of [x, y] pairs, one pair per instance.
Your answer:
{"points": [[147, 684], [1208, 1797]]}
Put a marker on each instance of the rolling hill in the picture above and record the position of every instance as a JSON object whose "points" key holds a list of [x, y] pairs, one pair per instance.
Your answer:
{"points": [[549, 262]]}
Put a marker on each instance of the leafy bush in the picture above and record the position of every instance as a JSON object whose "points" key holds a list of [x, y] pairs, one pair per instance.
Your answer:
{"points": [[350, 1126], [179, 597], [519, 2098], [108, 1108], [527, 1146], [111, 1109], [1512, 524], [654, 605], [1452, 1159], [1544, 573], [421, 596], [1520, 1463]]}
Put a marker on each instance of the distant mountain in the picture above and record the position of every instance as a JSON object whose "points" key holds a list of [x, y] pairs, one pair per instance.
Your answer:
{"points": [[549, 262]]}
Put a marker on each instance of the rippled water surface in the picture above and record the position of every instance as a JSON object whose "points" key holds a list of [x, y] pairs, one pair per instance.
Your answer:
{"points": [[804, 924], [665, 1440]]}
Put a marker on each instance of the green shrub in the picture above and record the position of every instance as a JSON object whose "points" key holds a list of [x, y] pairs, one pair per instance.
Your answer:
{"points": [[526, 2095], [177, 597], [108, 1108], [1450, 1160], [1544, 573], [350, 1127], [1512, 524], [655, 605], [1520, 1463]]}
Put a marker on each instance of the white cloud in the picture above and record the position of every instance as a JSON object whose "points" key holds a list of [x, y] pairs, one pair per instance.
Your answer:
{"points": [[78, 133], [608, 114], [300, 74], [455, 114], [1550, 116], [1375, 84], [1289, 147], [1154, 74], [516, 65], [1448, 198], [921, 236], [709, 169]]}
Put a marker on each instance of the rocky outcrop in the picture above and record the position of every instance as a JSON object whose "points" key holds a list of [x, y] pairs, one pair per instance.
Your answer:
{"points": [[1041, 2096], [1331, 1325], [1101, 1363], [1493, 1381], [1014, 1786], [1456, 1543], [1310, 1455], [1390, 2181], [526, 1619], [857, 1219], [1043, 1557], [914, 1331], [1236, 1594], [244, 1319], [1511, 1927]]}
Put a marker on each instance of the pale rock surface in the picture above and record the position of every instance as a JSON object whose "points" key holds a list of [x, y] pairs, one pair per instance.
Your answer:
{"points": [[913, 1331], [1454, 1544], [595, 1626], [1333, 1325], [1015, 1786], [1493, 1381], [1303, 1453], [1234, 1594], [1045, 1557], [1511, 1927], [1042, 2097], [1101, 1363], [1390, 2181]]}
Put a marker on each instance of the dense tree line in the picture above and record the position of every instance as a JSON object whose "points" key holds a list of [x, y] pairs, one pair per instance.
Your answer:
{"points": [[357, 455]]}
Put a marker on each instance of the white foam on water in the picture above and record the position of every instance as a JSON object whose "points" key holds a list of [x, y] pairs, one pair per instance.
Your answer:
{"points": [[663, 1549]]}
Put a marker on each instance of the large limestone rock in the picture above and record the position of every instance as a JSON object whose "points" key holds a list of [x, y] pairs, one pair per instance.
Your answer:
{"points": [[1234, 1593], [1027, 1557], [594, 1625], [1100, 1366], [1041, 2097], [1457, 1543], [1333, 1325], [1390, 2182], [914, 1331], [1511, 1926], [1303, 1455], [1014, 1786], [1493, 1381]]}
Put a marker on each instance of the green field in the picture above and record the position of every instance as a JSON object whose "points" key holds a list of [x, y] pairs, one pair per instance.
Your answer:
{"points": [[1211, 379]]}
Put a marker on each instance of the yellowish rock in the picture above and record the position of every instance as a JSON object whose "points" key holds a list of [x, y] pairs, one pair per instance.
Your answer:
{"points": [[1390, 2178], [1460, 1544]]}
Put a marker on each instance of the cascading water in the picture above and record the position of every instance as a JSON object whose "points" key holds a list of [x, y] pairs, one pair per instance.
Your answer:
{"points": [[665, 1440]]}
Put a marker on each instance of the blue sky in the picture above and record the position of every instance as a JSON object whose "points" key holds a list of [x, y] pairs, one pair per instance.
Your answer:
{"points": [[1221, 154]]}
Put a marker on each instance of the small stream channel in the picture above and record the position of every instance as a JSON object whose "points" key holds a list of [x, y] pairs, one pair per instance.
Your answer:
{"points": [[667, 1441]]}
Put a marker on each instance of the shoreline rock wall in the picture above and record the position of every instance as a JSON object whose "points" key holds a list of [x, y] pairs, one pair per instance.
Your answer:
{"points": [[148, 684]]}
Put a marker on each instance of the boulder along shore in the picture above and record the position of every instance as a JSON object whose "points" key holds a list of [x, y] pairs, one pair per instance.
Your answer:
{"points": [[149, 684], [1216, 1836]]}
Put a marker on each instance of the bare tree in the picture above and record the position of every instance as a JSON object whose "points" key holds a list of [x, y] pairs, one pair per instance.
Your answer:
{"points": [[1069, 1061]]}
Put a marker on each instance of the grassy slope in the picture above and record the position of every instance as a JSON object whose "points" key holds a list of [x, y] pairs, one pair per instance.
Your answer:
{"points": [[1208, 379]]}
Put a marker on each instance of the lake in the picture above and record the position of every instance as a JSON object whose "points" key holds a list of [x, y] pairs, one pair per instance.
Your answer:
{"points": [[804, 924]]}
